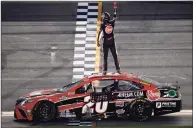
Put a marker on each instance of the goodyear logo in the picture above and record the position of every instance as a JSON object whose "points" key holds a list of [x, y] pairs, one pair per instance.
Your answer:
{"points": [[144, 83]]}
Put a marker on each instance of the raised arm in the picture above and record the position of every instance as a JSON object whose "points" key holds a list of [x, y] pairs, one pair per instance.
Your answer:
{"points": [[115, 11]]}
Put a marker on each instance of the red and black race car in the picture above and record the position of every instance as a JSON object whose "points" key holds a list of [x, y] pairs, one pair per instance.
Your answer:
{"points": [[120, 95]]}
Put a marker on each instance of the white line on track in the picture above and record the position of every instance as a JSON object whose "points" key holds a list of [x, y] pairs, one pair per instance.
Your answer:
{"points": [[91, 19], [82, 16], [89, 59], [79, 49], [80, 42], [78, 62], [90, 45], [92, 7], [89, 65], [26, 38], [79, 55], [182, 113], [90, 38], [91, 26], [178, 77], [78, 76], [80, 29], [169, 48], [90, 52], [78, 70], [80, 35], [82, 10], [93, 13], [83, 4], [90, 32]]}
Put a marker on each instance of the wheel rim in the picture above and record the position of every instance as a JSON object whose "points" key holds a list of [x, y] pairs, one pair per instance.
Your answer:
{"points": [[142, 111], [45, 111]]}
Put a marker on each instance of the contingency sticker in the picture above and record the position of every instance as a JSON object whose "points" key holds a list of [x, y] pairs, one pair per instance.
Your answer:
{"points": [[165, 104]]}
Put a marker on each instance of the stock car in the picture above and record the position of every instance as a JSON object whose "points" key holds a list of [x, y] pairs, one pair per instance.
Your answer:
{"points": [[104, 96]]}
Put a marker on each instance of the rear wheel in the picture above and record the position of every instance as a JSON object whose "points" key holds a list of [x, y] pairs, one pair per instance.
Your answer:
{"points": [[140, 110], [44, 111]]}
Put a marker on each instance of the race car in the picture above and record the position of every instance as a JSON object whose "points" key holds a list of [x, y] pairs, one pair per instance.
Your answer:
{"points": [[121, 95]]}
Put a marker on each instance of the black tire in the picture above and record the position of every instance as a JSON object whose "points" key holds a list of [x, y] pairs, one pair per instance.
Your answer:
{"points": [[140, 110], [44, 111], [78, 114]]}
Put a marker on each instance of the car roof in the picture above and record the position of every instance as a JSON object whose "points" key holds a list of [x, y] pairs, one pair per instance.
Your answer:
{"points": [[111, 74]]}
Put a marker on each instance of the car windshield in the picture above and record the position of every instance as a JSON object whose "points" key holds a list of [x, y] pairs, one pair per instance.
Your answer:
{"points": [[146, 79], [73, 84]]}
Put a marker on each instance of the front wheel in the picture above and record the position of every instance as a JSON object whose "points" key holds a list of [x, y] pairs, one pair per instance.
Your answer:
{"points": [[44, 111], [140, 110]]}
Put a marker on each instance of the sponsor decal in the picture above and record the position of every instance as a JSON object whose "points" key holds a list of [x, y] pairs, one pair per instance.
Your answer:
{"points": [[63, 98], [158, 105], [172, 93], [35, 93], [62, 114], [153, 94], [106, 78], [144, 83], [119, 104], [71, 93], [100, 107], [131, 94], [120, 111], [165, 104], [108, 29], [65, 113]]}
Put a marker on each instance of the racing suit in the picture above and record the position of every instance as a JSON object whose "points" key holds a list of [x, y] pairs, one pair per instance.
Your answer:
{"points": [[109, 42]]}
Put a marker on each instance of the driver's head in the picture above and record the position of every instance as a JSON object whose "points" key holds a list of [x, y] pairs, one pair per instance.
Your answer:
{"points": [[106, 17], [95, 83]]}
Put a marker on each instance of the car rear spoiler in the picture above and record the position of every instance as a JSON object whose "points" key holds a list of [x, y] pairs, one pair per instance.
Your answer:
{"points": [[169, 86]]}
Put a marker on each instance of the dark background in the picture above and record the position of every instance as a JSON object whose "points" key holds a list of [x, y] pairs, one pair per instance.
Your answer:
{"points": [[62, 11]]}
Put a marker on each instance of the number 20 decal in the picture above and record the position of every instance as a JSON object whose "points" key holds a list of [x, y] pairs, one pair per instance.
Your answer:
{"points": [[98, 107]]}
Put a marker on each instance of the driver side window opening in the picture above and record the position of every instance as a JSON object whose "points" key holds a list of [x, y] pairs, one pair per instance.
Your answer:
{"points": [[106, 85], [87, 88]]}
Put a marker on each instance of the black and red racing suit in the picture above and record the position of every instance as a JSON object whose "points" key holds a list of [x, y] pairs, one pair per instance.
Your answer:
{"points": [[109, 42]]}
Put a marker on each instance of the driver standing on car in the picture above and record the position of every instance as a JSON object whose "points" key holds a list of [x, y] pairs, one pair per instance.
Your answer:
{"points": [[107, 27]]}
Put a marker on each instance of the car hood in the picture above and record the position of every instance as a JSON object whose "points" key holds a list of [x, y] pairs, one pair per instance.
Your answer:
{"points": [[43, 92]]}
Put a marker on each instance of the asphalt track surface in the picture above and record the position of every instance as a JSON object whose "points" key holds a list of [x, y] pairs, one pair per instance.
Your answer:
{"points": [[160, 49]]}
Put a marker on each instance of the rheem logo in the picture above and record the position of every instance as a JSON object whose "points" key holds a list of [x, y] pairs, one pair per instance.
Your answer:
{"points": [[108, 29]]}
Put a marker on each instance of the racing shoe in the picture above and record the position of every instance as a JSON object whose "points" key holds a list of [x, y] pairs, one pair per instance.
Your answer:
{"points": [[118, 71], [104, 72]]}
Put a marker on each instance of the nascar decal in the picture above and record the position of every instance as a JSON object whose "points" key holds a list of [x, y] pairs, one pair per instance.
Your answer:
{"points": [[100, 107], [153, 94], [130, 94], [108, 29]]}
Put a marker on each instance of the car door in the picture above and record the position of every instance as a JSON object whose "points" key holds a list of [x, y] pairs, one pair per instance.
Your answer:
{"points": [[98, 100], [128, 90]]}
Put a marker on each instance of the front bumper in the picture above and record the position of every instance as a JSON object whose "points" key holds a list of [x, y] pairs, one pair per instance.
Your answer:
{"points": [[21, 114]]}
